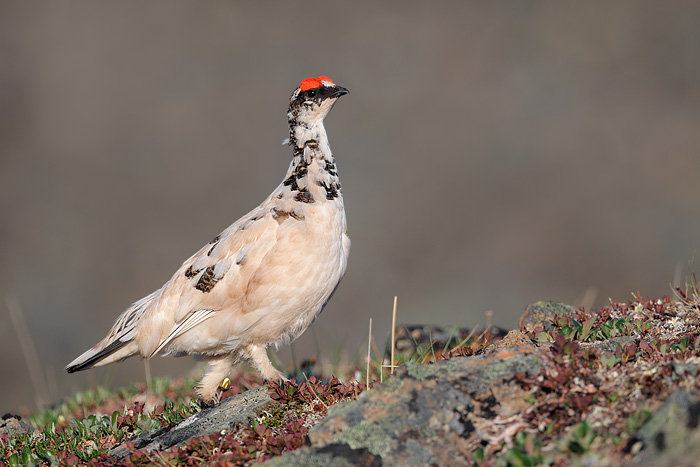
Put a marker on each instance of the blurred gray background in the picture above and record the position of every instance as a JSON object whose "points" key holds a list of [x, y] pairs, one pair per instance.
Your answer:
{"points": [[491, 154]]}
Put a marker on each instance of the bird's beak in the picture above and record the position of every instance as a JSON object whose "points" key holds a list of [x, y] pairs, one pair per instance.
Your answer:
{"points": [[340, 91]]}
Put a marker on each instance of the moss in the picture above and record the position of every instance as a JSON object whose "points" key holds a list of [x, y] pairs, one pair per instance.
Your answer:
{"points": [[372, 436]]}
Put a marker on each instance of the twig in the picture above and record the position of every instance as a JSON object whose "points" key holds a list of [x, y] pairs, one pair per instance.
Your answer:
{"points": [[508, 434]]}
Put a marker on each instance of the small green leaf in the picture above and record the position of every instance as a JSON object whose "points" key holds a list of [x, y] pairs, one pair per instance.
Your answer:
{"points": [[545, 337], [586, 328], [610, 360], [517, 458]]}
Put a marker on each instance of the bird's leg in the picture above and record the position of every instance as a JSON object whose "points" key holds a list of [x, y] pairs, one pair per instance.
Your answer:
{"points": [[258, 357], [218, 369], [223, 387]]}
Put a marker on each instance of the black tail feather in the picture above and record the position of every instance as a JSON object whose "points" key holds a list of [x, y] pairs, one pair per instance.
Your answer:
{"points": [[87, 364]]}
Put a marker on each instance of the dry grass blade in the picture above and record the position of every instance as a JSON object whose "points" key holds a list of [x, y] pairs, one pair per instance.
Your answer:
{"points": [[489, 315], [380, 358], [393, 334], [29, 350], [465, 340], [589, 297], [314, 392], [369, 350], [147, 369]]}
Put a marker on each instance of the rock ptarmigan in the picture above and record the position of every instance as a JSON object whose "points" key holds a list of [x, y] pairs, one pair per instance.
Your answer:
{"points": [[263, 280]]}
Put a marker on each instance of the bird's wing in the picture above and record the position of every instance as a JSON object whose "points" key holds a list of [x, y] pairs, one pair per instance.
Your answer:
{"points": [[188, 323], [215, 279], [216, 275]]}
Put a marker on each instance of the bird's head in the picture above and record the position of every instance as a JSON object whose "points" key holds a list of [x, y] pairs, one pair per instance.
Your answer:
{"points": [[313, 99]]}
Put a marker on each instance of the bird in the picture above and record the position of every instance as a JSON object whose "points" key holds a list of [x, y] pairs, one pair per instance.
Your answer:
{"points": [[260, 282]]}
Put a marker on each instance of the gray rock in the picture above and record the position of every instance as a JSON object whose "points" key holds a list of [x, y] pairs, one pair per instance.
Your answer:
{"points": [[613, 344], [544, 314], [222, 416], [13, 425], [671, 436], [422, 416]]}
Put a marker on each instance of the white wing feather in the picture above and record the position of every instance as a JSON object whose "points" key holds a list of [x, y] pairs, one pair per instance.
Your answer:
{"points": [[188, 323]]}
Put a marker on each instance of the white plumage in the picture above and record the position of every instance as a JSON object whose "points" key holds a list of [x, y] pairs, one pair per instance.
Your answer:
{"points": [[263, 280]]}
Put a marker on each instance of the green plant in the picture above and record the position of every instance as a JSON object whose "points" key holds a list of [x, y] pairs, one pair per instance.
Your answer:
{"points": [[525, 452], [637, 420], [580, 438]]}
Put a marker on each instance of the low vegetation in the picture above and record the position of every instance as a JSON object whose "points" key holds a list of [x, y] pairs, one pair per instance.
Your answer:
{"points": [[588, 403], [588, 398]]}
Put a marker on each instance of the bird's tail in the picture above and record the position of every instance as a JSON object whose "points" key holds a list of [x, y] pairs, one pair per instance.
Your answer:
{"points": [[119, 343], [102, 355]]}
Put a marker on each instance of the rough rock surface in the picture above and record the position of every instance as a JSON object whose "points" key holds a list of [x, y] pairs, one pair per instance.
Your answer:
{"points": [[671, 436], [223, 416], [544, 314], [425, 415], [13, 424]]}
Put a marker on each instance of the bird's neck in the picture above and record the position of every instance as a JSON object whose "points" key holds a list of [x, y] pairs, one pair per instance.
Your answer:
{"points": [[312, 175], [302, 134]]}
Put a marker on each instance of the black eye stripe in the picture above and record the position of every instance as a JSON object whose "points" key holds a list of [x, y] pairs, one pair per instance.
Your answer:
{"points": [[317, 93]]}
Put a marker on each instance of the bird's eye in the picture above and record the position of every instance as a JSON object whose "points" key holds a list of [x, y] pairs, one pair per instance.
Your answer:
{"points": [[311, 93]]}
